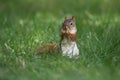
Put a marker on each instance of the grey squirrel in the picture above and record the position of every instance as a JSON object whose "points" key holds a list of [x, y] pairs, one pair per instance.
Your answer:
{"points": [[68, 45]]}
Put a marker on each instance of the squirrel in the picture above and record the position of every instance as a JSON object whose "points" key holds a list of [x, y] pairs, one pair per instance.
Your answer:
{"points": [[68, 43]]}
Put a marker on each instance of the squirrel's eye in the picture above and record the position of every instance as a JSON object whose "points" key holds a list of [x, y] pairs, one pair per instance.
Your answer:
{"points": [[71, 24]]}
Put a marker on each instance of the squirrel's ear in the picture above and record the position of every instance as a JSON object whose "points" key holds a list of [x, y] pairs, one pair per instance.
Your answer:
{"points": [[73, 18], [66, 18]]}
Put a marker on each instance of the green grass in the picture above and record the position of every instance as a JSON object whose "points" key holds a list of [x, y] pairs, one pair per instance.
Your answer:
{"points": [[27, 24]]}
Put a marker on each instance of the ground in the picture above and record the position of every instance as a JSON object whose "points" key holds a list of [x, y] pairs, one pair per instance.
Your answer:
{"points": [[27, 24]]}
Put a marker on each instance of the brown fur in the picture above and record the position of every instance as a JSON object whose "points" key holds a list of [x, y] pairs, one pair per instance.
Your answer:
{"points": [[70, 36], [47, 48]]}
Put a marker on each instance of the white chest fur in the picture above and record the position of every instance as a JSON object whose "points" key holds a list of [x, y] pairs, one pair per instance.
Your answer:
{"points": [[69, 48]]}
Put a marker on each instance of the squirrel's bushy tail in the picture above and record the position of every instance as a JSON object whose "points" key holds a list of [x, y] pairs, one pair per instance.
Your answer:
{"points": [[47, 48]]}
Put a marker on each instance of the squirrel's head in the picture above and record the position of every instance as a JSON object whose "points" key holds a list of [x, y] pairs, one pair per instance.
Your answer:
{"points": [[69, 24]]}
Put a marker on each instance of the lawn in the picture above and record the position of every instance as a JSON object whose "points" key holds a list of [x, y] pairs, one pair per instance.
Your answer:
{"points": [[27, 24]]}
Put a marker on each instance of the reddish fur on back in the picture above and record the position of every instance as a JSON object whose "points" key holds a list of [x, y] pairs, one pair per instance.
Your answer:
{"points": [[47, 48], [73, 37]]}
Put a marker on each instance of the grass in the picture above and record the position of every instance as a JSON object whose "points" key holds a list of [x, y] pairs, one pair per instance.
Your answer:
{"points": [[24, 25]]}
